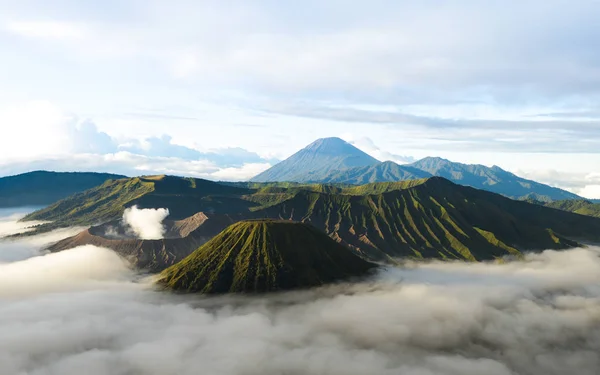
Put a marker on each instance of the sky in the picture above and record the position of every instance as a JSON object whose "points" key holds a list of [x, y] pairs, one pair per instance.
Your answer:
{"points": [[225, 89]]}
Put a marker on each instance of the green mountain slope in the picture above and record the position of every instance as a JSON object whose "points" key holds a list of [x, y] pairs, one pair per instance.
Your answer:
{"points": [[493, 179], [264, 256], [316, 161], [426, 218], [183, 196], [582, 207], [41, 188], [435, 218]]}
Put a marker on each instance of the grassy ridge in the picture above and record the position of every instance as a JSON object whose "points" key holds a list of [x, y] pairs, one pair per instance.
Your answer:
{"points": [[262, 256], [435, 219], [582, 207], [183, 196], [427, 218]]}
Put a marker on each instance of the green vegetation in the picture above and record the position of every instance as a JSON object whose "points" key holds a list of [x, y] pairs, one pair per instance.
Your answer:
{"points": [[262, 256], [183, 196], [41, 188], [582, 207], [427, 218]]}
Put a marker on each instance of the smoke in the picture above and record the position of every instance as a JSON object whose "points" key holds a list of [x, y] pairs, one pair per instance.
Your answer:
{"points": [[146, 223], [82, 310]]}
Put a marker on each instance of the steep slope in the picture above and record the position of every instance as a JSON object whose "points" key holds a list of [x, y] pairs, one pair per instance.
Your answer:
{"points": [[40, 188], [435, 218], [263, 256], [182, 196], [316, 161], [493, 179], [382, 172], [181, 239]]}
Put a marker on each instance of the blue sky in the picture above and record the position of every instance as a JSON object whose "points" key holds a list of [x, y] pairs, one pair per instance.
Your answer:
{"points": [[223, 89]]}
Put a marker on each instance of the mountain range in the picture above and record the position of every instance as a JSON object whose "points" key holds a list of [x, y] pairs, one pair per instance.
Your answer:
{"points": [[426, 218], [332, 160]]}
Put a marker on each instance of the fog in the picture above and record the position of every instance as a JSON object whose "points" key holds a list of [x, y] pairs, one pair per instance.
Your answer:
{"points": [[9, 221], [146, 223], [84, 311]]}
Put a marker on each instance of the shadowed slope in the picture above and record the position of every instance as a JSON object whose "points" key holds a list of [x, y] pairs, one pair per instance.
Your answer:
{"points": [[262, 256], [436, 218]]}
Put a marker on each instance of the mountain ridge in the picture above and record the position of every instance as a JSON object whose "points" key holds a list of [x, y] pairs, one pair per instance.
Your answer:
{"points": [[421, 219], [329, 170], [38, 188]]}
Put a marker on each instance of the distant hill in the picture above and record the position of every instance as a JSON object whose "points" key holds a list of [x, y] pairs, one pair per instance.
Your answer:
{"points": [[493, 179], [317, 161], [264, 256], [41, 188], [426, 218], [582, 207]]}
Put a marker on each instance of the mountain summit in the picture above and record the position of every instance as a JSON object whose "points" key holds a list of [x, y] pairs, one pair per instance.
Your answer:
{"points": [[316, 161], [264, 256]]}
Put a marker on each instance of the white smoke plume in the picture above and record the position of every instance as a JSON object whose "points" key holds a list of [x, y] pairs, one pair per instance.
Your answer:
{"points": [[146, 223], [540, 316]]}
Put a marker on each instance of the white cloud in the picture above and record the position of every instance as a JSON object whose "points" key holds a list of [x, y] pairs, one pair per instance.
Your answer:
{"points": [[536, 316], [243, 173], [47, 29], [42, 136], [584, 184]]}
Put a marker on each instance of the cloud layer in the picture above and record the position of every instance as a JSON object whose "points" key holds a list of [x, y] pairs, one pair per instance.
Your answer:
{"points": [[82, 309]]}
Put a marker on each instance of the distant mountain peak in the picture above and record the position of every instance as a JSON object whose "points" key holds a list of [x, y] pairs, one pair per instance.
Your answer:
{"points": [[316, 161]]}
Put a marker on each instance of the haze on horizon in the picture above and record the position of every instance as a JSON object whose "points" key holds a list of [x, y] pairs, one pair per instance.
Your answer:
{"points": [[223, 91]]}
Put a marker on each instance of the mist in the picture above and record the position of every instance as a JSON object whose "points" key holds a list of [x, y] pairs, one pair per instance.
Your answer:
{"points": [[146, 223], [84, 310]]}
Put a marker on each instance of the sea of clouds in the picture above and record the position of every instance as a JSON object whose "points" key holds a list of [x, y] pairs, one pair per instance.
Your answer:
{"points": [[85, 311]]}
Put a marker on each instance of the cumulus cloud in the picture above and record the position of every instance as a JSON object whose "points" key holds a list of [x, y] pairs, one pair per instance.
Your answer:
{"points": [[539, 316], [64, 142], [367, 145], [146, 223]]}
